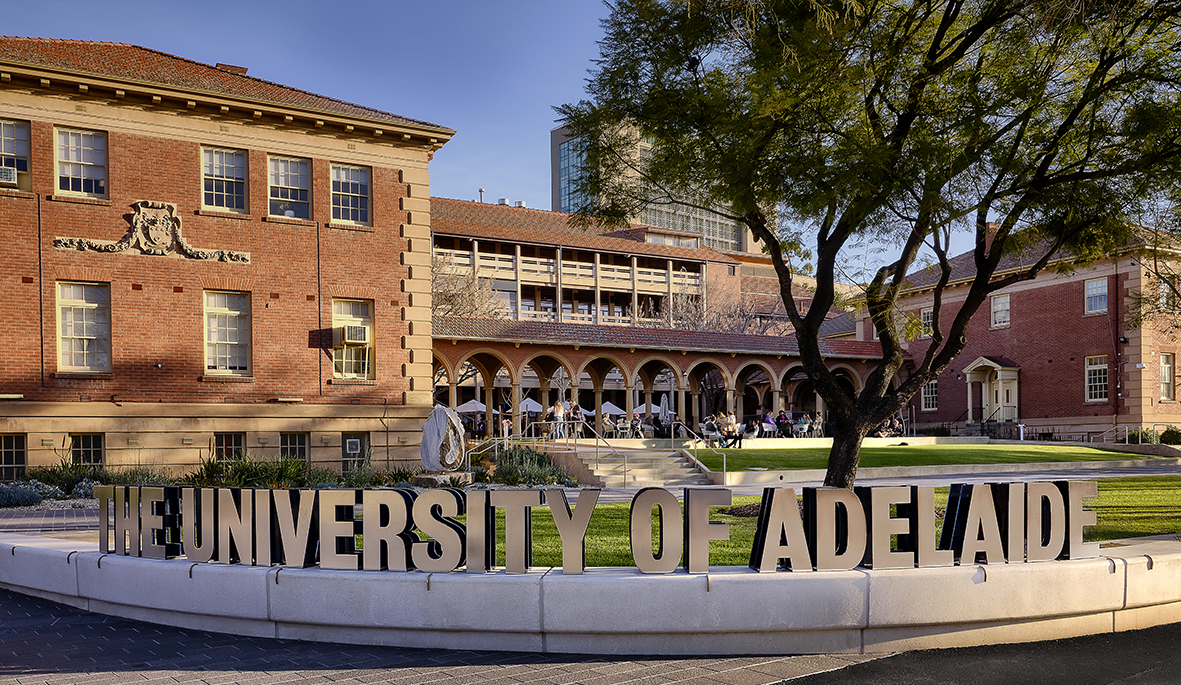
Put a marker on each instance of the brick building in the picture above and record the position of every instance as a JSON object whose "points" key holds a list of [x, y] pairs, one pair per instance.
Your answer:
{"points": [[197, 261], [1056, 353]]}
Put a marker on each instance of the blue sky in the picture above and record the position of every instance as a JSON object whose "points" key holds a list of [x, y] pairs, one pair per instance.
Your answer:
{"points": [[492, 71]]}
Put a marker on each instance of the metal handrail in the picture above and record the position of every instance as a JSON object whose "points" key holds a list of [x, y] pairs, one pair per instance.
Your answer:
{"points": [[697, 438]]}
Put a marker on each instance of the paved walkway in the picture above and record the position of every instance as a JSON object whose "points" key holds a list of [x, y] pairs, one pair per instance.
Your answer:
{"points": [[43, 642]]}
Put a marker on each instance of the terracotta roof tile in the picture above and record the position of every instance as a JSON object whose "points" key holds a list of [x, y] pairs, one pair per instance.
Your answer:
{"points": [[536, 226], [144, 65], [509, 330]]}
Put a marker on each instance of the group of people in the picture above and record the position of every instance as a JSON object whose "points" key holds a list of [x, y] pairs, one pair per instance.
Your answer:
{"points": [[890, 428], [725, 424]]}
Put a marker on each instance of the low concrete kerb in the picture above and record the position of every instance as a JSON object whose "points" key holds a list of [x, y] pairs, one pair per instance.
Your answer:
{"points": [[731, 610]]}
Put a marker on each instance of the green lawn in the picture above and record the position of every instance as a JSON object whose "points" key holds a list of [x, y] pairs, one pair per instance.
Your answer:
{"points": [[911, 455], [1126, 507]]}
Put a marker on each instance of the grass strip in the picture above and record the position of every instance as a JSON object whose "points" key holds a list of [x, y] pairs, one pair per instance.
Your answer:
{"points": [[784, 459]]}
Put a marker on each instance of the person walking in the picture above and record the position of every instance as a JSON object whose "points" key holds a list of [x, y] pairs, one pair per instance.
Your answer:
{"points": [[559, 412]]}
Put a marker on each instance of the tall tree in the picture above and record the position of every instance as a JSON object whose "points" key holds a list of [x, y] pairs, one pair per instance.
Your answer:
{"points": [[891, 121]]}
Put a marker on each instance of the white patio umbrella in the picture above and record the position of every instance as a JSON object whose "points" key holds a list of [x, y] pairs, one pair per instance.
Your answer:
{"points": [[612, 410], [473, 407], [665, 414], [531, 406]]}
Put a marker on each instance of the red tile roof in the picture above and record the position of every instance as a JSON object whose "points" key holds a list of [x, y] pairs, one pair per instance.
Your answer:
{"points": [[536, 226], [509, 330], [144, 65]]}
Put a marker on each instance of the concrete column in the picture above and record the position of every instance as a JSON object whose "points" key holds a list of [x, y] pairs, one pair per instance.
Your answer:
{"points": [[517, 271], [776, 401], [669, 302], [452, 394], [598, 393], [631, 399], [968, 378], [681, 410], [697, 413], [729, 399], [598, 294], [635, 293], [739, 404], [648, 399], [558, 280], [516, 400]]}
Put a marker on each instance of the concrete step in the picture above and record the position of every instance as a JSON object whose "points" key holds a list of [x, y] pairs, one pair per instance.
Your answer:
{"points": [[643, 469]]}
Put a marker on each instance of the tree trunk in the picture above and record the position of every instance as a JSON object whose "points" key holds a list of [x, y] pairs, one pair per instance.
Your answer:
{"points": [[844, 456]]}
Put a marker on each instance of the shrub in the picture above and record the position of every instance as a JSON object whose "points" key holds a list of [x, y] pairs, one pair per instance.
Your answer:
{"points": [[43, 490], [1170, 436], [84, 489], [65, 475], [16, 496], [522, 466]]}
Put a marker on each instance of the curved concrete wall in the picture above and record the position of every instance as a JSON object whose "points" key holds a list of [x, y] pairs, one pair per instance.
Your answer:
{"points": [[731, 610]]}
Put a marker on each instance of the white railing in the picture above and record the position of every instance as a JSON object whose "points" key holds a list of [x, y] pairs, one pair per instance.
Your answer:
{"points": [[578, 271], [537, 270], [492, 264], [614, 274], [458, 258], [686, 280], [578, 317], [652, 277], [614, 320], [538, 315]]}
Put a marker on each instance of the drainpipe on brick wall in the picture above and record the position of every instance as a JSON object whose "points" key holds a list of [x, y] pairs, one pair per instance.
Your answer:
{"points": [[41, 288], [320, 310], [1113, 314]]}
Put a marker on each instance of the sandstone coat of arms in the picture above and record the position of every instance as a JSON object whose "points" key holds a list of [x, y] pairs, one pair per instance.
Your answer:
{"points": [[155, 230]]}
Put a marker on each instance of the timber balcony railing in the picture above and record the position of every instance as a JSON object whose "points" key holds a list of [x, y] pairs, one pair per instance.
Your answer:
{"points": [[538, 271]]}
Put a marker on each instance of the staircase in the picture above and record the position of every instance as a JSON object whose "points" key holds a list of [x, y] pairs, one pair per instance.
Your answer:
{"points": [[645, 468]]}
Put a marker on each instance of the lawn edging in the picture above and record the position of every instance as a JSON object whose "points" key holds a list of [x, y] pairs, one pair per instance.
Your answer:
{"points": [[813, 475]]}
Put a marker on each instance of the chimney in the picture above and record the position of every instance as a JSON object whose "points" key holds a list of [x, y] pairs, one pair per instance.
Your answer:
{"points": [[240, 71], [503, 201], [519, 203]]}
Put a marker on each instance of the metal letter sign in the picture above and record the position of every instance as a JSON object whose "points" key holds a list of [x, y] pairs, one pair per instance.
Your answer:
{"points": [[401, 530]]}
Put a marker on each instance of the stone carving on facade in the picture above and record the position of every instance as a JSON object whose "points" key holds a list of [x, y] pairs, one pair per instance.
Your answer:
{"points": [[155, 230]]}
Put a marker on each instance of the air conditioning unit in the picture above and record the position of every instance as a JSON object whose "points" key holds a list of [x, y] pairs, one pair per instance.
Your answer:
{"points": [[354, 335], [7, 175]]}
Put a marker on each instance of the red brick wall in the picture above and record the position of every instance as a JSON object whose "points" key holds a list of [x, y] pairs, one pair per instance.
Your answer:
{"points": [[295, 269]]}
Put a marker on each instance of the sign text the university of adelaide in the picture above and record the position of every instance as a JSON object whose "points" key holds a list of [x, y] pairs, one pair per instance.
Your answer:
{"points": [[835, 529]]}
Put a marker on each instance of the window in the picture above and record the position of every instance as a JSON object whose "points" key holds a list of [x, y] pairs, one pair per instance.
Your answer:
{"points": [[926, 322], [350, 194], [86, 449], [82, 162], [354, 451], [1096, 290], [293, 445], [1000, 310], [291, 182], [229, 446], [931, 396], [1166, 303], [352, 323], [227, 333], [1166, 377], [85, 326], [223, 174], [12, 457], [14, 150], [1096, 369]]}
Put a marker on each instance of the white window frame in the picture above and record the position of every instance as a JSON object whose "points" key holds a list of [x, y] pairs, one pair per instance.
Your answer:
{"points": [[82, 161], [86, 449], [1095, 295], [228, 333], [926, 322], [353, 361], [222, 170], [14, 456], [1096, 378], [294, 445], [1168, 391], [1001, 312], [14, 150], [352, 198], [83, 327], [289, 187], [930, 395]]}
